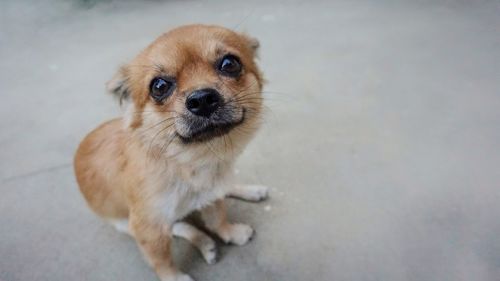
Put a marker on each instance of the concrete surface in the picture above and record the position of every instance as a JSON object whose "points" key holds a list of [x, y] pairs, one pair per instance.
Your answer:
{"points": [[381, 142]]}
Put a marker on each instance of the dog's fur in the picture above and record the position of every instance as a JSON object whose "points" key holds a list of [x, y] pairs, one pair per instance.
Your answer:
{"points": [[143, 174]]}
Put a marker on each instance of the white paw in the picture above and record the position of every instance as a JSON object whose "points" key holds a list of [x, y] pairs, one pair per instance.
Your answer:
{"points": [[209, 251], [184, 277], [239, 234], [121, 225], [251, 192], [258, 192], [178, 277]]}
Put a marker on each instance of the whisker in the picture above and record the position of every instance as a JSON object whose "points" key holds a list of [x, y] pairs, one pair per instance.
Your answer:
{"points": [[207, 144], [165, 146], [152, 140], [161, 122], [154, 111], [244, 19]]}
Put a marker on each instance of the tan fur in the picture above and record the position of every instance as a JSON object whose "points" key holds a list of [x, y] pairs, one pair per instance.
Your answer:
{"points": [[135, 168]]}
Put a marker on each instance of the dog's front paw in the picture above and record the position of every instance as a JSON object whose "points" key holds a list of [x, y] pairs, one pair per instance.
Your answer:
{"points": [[250, 192], [178, 277], [238, 234], [208, 250], [184, 277], [258, 192]]}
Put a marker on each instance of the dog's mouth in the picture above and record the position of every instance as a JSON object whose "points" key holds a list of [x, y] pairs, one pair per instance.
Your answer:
{"points": [[207, 130]]}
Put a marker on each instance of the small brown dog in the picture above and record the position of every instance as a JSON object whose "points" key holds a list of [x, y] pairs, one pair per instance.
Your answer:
{"points": [[194, 101]]}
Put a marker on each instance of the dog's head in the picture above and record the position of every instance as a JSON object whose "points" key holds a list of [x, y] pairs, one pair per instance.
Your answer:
{"points": [[195, 87]]}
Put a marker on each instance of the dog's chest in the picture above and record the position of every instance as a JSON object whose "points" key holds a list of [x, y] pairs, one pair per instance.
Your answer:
{"points": [[194, 190]]}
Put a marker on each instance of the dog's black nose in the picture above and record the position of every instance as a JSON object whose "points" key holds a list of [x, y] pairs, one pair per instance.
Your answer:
{"points": [[204, 102]]}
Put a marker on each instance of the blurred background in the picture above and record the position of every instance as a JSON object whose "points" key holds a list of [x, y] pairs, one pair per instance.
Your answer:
{"points": [[381, 141]]}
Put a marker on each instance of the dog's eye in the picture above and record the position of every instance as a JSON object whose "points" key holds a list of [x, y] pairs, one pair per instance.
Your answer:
{"points": [[161, 88], [230, 65]]}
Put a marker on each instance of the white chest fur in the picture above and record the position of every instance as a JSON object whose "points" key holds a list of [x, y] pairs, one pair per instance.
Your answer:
{"points": [[197, 187]]}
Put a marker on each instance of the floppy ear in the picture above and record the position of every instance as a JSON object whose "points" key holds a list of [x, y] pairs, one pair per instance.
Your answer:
{"points": [[253, 43], [119, 85]]}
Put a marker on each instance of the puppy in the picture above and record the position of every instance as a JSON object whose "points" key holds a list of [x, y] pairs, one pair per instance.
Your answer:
{"points": [[193, 102]]}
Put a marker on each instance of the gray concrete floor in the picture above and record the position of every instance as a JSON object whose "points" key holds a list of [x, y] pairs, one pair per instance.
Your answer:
{"points": [[381, 142]]}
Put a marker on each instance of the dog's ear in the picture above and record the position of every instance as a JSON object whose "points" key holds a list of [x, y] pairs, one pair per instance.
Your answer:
{"points": [[253, 43], [119, 85]]}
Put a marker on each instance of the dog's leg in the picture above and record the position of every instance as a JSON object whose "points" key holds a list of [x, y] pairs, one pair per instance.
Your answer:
{"points": [[254, 193], [154, 237], [198, 238], [216, 220]]}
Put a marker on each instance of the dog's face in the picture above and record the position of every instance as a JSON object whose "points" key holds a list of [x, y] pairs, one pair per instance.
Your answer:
{"points": [[194, 86]]}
